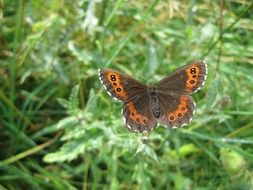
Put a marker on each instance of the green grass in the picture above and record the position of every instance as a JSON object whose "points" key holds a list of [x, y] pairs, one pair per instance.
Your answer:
{"points": [[60, 130]]}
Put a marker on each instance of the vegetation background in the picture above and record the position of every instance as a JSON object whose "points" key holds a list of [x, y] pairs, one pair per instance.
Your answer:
{"points": [[60, 130]]}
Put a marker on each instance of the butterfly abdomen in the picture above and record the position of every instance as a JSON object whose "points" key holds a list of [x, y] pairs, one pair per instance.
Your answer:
{"points": [[154, 101]]}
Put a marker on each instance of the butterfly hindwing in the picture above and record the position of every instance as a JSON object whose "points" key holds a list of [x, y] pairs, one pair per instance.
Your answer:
{"points": [[185, 80], [138, 114], [175, 110]]}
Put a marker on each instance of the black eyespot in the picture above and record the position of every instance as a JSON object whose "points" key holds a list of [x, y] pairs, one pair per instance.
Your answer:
{"points": [[118, 89], [183, 108], [194, 76], [193, 70], [138, 119], [179, 115], [192, 81], [172, 118], [114, 84], [145, 121], [113, 77]]}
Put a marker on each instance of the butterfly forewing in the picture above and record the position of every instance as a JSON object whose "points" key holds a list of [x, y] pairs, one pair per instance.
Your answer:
{"points": [[120, 86], [185, 80]]}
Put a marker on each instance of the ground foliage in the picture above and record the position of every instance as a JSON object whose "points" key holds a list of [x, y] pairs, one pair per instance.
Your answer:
{"points": [[60, 130]]}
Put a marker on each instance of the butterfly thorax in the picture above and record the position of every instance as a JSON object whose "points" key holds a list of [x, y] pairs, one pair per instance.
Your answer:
{"points": [[154, 101]]}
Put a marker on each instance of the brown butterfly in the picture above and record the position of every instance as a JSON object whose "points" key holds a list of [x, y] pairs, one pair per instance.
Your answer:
{"points": [[167, 102]]}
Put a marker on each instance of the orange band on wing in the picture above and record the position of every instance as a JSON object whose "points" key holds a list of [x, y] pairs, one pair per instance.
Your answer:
{"points": [[114, 80], [135, 116], [192, 74], [180, 111]]}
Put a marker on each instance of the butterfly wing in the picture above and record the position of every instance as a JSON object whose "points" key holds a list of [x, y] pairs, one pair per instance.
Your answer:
{"points": [[136, 110], [120, 86], [138, 114], [175, 110], [185, 80]]}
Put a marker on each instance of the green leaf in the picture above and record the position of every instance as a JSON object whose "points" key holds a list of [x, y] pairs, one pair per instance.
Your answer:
{"points": [[74, 100]]}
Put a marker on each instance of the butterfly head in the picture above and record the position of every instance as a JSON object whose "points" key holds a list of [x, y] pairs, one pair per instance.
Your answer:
{"points": [[152, 91]]}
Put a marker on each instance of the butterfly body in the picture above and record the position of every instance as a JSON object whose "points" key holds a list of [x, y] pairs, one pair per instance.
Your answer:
{"points": [[167, 102], [154, 101]]}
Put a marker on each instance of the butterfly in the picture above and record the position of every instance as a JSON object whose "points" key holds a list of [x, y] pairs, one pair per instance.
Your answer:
{"points": [[167, 102]]}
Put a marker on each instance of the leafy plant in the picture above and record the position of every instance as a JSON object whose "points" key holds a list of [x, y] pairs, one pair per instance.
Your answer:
{"points": [[51, 50]]}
